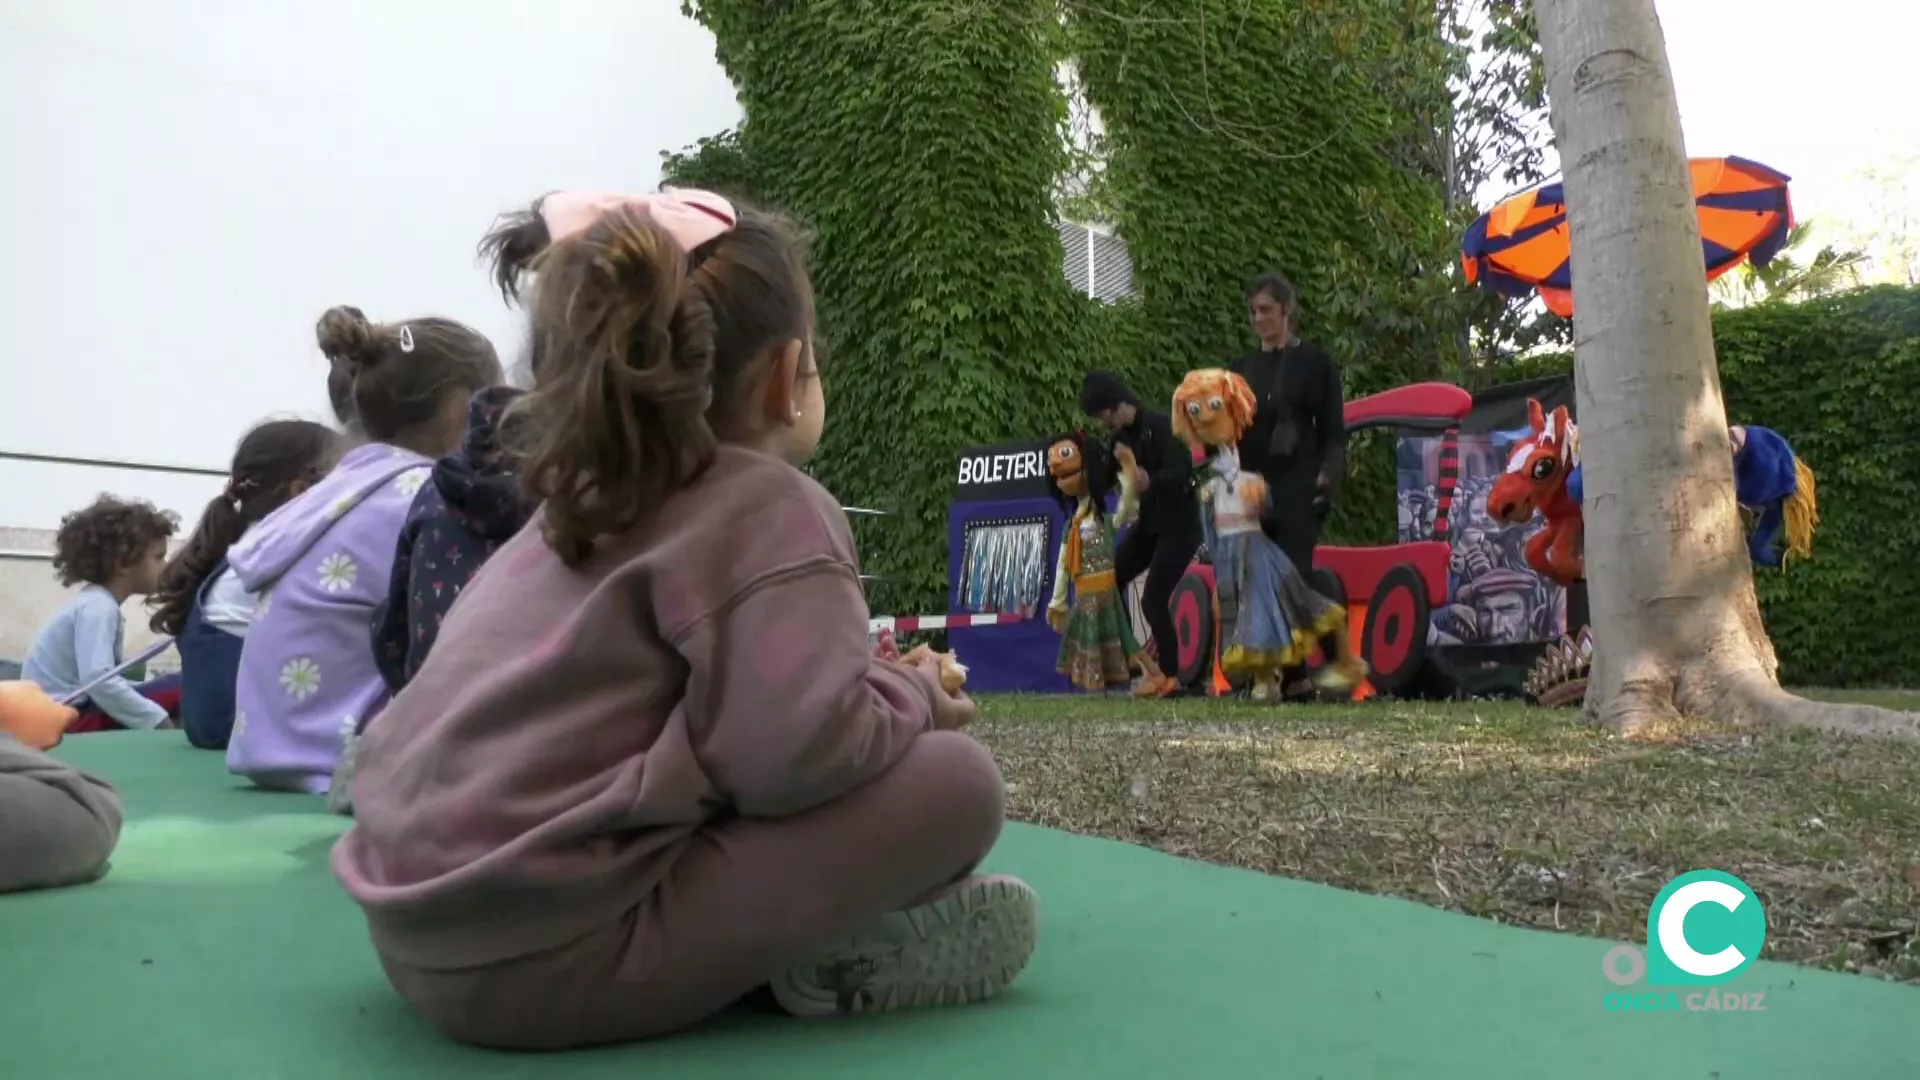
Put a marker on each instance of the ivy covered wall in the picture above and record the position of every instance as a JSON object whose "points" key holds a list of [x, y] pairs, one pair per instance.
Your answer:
{"points": [[919, 142], [922, 142], [1299, 135]]}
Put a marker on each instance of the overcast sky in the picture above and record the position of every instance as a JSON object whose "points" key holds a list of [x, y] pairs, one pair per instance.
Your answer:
{"points": [[1818, 89]]}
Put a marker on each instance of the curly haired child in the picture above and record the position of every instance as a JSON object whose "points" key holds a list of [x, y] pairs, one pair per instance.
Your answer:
{"points": [[321, 562], [652, 765], [201, 602], [114, 550]]}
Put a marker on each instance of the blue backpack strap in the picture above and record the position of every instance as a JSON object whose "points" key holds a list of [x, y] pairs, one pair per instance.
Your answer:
{"points": [[209, 665]]}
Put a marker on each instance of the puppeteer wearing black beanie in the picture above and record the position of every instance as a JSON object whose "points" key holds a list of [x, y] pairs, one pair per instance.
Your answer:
{"points": [[1103, 390]]}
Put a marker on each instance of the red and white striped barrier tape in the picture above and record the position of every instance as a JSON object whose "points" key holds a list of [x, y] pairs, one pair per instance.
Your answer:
{"points": [[908, 624]]}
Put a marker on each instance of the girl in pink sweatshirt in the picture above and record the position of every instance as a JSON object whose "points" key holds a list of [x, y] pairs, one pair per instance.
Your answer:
{"points": [[651, 765]]}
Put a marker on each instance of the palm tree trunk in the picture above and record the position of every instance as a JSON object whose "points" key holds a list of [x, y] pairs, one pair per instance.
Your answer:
{"points": [[1675, 621]]}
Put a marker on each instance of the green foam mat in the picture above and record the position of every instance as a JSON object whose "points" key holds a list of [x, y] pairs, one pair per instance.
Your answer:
{"points": [[220, 946]]}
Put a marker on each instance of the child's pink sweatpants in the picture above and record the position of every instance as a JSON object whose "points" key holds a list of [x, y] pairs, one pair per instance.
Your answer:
{"points": [[744, 902]]}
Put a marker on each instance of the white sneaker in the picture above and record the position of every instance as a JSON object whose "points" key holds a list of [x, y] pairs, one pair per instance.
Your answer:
{"points": [[964, 946]]}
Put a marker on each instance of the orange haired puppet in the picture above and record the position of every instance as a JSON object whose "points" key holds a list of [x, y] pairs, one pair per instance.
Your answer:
{"points": [[1271, 616]]}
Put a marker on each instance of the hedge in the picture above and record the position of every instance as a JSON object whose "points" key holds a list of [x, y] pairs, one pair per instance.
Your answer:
{"points": [[1838, 376]]}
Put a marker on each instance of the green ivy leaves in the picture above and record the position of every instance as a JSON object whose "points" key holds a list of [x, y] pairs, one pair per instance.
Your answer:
{"points": [[1251, 136], [920, 143], [923, 144]]}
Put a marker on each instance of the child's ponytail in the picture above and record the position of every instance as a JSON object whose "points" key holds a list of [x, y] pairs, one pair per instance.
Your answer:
{"points": [[649, 319], [625, 372], [219, 528], [340, 365], [274, 462], [510, 249]]}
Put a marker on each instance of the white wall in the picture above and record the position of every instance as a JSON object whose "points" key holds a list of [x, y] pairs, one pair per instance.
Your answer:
{"points": [[185, 185]]}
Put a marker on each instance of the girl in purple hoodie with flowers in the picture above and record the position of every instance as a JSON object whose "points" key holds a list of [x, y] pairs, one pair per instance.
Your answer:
{"points": [[321, 563]]}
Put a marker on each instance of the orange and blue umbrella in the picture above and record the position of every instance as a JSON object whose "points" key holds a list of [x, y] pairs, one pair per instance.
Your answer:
{"points": [[1522, 246]]}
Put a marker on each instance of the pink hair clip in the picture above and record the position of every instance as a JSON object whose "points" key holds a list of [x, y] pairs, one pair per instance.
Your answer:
{"points": [[691, 217]]}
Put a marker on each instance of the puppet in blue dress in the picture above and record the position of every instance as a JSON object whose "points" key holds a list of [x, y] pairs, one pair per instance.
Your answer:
{"points": [[1271, 618], [1775, 489]]}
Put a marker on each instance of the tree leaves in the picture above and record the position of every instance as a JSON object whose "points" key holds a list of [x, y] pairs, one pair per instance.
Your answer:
{"points": [[1792, 274]]}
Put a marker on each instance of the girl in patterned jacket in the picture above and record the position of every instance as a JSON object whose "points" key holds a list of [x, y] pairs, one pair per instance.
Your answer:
{"points": [[321, 563], [472, 504]]}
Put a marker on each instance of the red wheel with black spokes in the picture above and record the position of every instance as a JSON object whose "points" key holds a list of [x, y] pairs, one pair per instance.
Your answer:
{"points": [[1394, 644], [1192, 609]]}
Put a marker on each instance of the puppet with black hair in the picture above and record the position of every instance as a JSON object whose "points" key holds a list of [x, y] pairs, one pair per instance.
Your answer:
{"points": [[1097, 646]]}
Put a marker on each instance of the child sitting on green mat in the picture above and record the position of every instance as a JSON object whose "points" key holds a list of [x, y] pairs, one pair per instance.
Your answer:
{"points": [[200, 602], [114, 550], [652, 764], [470, 506], [57, 825]]}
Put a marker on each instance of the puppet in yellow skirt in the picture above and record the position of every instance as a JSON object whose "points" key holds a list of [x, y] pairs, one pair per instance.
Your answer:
{"points": [[1277, 617]]}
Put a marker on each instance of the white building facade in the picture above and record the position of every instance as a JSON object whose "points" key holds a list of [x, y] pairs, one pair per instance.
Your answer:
{"points": [[188, 184]]}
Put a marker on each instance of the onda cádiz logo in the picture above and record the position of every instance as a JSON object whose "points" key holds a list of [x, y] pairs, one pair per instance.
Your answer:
{"points": [[1705, 928]]}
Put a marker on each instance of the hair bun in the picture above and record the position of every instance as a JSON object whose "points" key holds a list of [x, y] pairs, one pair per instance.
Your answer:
{"points": [[347, 336]]}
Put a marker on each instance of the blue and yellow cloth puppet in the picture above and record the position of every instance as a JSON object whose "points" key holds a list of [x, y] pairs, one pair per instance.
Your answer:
{"points": [[1773, 484], [1772, 481]]}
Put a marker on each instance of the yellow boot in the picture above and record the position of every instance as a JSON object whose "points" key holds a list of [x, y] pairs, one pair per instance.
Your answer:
{"points": [[1347, 670]]}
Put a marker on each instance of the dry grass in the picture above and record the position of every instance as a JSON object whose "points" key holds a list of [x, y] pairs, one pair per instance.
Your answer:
{"points": [[1515, 814]]}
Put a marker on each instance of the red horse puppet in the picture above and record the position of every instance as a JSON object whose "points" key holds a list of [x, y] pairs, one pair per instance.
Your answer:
{"points": [[1536, 479]]}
